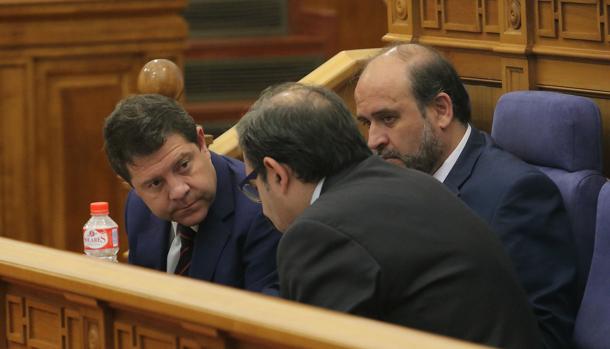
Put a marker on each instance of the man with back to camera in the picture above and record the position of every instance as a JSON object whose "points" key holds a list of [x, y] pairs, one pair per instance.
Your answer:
{"points": [[186, 214], [417, 112], [369, 238]]}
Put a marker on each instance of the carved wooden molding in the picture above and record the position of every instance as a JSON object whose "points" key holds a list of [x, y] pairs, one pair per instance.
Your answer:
{"points": [[401, 10], [514, 14]]}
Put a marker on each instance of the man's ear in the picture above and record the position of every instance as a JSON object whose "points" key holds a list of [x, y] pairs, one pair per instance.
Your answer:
{"points": [[443, 106], [201, 139], [277, 174]]}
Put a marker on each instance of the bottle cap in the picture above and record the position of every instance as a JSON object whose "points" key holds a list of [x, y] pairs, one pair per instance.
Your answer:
{"points": [[99, 207]]}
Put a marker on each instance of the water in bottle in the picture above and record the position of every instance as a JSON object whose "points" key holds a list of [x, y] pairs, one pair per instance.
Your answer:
{"points": [[100, 233]]}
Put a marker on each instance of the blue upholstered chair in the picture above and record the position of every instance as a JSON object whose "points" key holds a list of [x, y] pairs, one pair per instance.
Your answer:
{"points": [[561, 135], [593, 321]]}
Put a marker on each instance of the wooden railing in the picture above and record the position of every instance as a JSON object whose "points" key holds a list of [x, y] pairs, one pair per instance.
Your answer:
{"points": [[55, 299]]}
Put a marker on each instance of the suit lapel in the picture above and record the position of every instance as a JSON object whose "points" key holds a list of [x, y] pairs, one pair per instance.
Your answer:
{"points": [[155, 239], [464, 166], [215, 230]]}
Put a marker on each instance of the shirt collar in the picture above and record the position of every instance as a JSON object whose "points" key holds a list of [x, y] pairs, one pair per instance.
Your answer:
{"points": [[317, 191], [443, 171]]}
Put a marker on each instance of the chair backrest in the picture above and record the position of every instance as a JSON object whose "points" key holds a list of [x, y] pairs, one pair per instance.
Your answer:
{"points": [[561, 135], [593, 320]]}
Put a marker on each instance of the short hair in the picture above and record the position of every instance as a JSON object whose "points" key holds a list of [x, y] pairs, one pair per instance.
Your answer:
{"points": [[305, 127], [139, 126], [429, 74]]}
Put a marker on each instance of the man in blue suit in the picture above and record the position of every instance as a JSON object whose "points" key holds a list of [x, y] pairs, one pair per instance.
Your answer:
{"points": [[417, 112], [186, 214]]}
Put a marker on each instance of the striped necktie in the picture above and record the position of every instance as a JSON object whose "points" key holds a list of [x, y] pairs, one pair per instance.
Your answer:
{"points": [[187, 235]]}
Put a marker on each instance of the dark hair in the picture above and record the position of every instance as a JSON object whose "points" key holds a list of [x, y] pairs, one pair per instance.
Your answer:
{"points": [[430, 74], [139, 126], [308, 128]]}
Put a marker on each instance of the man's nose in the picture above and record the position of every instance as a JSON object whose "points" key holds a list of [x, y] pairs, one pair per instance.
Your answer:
{"points": [[378, 138], [177, 188]]}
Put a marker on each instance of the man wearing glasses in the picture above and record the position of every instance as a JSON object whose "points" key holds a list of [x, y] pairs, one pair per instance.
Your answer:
{"points": [[186, 214], [369, 238]]}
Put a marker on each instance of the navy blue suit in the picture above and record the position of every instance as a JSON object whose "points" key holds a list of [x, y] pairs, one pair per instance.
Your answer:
{"points": [[524, 207], [235, 245]]}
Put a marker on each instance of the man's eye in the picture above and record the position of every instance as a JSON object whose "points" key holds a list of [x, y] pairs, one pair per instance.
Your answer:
{"points": [[364, 122], [184, 165], [388, 119], [154, 184]]}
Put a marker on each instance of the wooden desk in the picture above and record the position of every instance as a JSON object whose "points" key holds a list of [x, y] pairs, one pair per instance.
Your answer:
{"points": [[55, 299]]}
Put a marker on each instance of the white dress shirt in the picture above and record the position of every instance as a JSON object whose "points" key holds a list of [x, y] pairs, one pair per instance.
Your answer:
{"points": [[443, 171], [175, 243], [316, 192]]}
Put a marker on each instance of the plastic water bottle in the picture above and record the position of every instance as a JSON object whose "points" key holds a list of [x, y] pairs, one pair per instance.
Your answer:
{"points": [[101, 234]]}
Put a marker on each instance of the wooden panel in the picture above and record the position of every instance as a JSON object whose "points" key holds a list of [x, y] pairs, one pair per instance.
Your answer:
{"points": [[43, 325], [15, 319], [64, 66], [545, 18], [490, 16], [483, 98], [579, 19], [123, 336], [606, 10], [576, 75], [430, 14], [74, 329], [15, 150], [461, 16], [152, 339], [73, 166], [351, 19]]}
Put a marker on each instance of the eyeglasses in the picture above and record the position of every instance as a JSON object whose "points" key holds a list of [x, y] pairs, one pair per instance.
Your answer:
{"points": [[249, 190]]}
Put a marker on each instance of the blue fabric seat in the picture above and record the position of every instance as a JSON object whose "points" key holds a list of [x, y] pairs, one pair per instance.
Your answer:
{"points": [[593, 321], [562, 136]]}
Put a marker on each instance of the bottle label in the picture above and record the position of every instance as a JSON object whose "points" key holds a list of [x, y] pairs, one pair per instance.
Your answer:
{"points": [[98, 239]]}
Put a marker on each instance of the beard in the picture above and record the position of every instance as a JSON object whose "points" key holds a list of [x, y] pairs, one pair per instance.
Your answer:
{"points": [[427, 156]]}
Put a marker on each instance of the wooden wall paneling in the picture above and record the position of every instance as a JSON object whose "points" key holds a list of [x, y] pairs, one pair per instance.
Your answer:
{"points": [[358, 24], [74, 329], [483, 98], [571, 23], [16, 164], [462, 16], [72, 168], [149, 338], [546, 19], [606, 12], [14, 318], [491, 19], [124, 335], [58, 81], [431, 14], [44, 324], [517, 74]]}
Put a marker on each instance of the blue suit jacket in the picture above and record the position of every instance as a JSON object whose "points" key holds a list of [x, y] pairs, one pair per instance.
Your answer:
{"points": [[524, 207], [235, 245]]}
